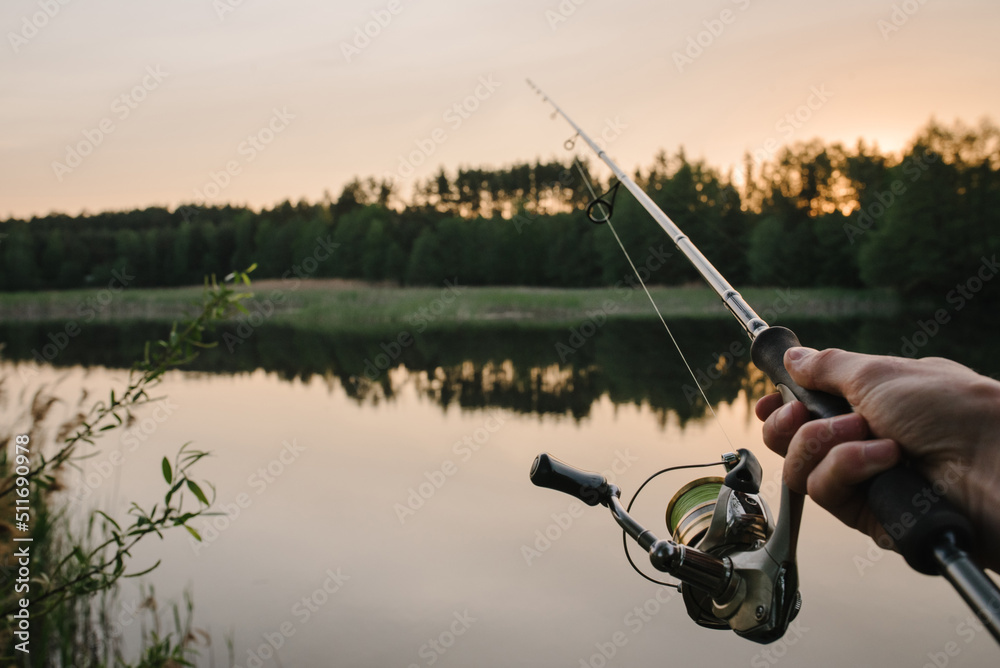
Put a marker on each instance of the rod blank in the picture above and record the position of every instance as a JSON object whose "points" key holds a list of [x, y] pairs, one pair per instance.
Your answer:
{"points": [[748, 318]]}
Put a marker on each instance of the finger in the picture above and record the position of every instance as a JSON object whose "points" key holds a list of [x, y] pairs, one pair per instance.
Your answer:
{"points": [[767, 405], [850, 375], [781, 425], [814, 440], [835, 482]]}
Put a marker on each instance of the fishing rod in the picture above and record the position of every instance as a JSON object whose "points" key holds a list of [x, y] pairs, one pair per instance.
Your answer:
{"points": [[736, 564]]}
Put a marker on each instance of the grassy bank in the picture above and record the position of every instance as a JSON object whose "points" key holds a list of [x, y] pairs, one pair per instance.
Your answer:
{"points": [[349, 305]]}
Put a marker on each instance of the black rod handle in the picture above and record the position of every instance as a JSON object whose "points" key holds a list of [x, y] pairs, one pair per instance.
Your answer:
{"points": [[917, 516], [547, 471], [768, 354], [912, 512]]}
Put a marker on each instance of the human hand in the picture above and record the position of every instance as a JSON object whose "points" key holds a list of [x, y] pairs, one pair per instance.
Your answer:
{"points": [[941, 415]]}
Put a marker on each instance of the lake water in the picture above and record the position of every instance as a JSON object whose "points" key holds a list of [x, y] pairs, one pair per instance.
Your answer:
{"points": [[392, 523]]}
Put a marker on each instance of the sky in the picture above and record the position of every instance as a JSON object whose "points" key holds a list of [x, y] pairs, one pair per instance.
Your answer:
{"points": [[117, 104]]}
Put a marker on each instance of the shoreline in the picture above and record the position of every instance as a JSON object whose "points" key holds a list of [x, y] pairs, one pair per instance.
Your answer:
{"points": [[342, 303]]}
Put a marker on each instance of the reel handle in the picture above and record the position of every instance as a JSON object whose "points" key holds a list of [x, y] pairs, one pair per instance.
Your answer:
{"points": [[713, 574], [591, 488], [917, 529]]}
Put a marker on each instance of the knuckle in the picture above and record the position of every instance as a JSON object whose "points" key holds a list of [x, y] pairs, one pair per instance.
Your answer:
{"points": [[843, 458], [827, 357], [816, 489], [812, 436], [821, 489], [869, 371]]}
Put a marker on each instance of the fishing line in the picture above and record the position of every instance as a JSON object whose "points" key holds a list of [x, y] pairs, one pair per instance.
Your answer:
{"points": [[628, 555], [680, 352]]}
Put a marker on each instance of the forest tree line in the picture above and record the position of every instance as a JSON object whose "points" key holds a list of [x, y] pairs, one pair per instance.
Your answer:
{"points": [[816, 214]]}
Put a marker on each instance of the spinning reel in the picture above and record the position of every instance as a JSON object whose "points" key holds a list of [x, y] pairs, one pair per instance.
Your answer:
{"points": [[735, 563]]}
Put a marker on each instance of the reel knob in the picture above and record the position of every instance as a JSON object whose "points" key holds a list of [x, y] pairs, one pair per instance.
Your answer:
{"points": [[591, 488]]}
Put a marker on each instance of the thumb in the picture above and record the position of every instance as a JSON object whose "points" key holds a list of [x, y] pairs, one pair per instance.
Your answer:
{"points": [[810, 369], [800, 363], [798, 357], [831, 370]]}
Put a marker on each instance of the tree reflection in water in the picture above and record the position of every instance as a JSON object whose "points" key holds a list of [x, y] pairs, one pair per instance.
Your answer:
{"points": [[519, 368]]}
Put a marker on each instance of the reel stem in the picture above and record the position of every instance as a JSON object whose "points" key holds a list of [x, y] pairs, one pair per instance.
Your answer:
{"points": [[687, 564]]}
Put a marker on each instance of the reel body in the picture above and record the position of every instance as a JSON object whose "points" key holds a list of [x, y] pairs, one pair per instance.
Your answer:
{"points": [[736, 563], [710, 516]]}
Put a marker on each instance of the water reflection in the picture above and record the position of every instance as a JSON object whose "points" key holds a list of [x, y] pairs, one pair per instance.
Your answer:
{"points": [[539, 370], [368, 444]]}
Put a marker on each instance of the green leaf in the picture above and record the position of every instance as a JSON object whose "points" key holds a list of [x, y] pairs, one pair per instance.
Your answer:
{"points": [[148, 570], [193, 486], [168, 474], [170, 494], [194, 533], [108, 518]]}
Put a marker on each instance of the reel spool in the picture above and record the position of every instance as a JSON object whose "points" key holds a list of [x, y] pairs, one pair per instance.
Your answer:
{"points": [[689, 513]]}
